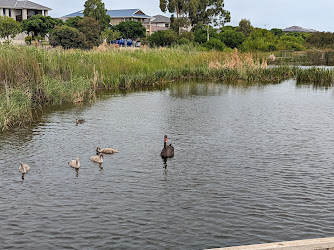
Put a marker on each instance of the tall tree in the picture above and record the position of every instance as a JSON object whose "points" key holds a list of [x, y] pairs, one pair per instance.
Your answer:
{"points": [[96, 9], [209, 12], [131, 29], [40, 25], [9, 27], [245, 27]]}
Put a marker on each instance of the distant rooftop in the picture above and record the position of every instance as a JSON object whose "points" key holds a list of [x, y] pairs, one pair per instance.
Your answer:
{"points": [[299, 29], [13, 4], [159, 19], [126, 13]]}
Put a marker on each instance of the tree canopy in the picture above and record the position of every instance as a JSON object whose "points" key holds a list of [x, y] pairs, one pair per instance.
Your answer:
{"points": [[131, 29], [40, 25], [9, 27], [96, 9]]}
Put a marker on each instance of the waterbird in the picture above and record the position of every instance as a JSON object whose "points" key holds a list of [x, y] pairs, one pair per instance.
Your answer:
{"points": [[24, 168], [167, 151], [97, 158], [79, 121], [74, 163], [106, 150]]}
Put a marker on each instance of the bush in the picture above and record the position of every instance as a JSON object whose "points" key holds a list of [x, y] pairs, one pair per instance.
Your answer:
{"points": [[232, 38], [291, 43], [184, 41], [188, 35], [131, 29], [321, 40], [28, 39], [200, 33], [92, 31], [214, 43], [68, 38], [9, 28], [260, 40], [163, 38]]}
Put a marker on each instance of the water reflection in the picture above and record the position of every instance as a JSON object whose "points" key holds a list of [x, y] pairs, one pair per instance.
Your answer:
{"points": [[252, 161]]}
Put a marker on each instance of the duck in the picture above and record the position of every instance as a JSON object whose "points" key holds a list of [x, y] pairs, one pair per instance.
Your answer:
{"points": [[74, 163], [106, 150], [167, 151], [79, 121], [97, 158], [24, 168]]}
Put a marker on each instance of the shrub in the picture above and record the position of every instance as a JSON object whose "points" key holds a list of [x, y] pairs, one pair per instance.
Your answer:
{"points": [[131, 29], [291, 43], [28, 39], [232, 38], [163, 38], [9, 27], [188, 35], [260, 40], [214, 43], [92, 31], [200, 33], [68, 38], [184, 41]]}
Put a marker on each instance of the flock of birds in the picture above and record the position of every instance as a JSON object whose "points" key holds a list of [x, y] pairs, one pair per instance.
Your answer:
{"points": [[166, 152]]}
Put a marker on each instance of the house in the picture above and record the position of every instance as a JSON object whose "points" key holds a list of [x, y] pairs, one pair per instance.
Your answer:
{"points": [[298, 29], [158, 23], [21, 10], [118, 16]]}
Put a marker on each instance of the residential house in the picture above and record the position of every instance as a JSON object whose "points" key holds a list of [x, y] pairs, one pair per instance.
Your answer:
{"points": [[21, 10], [299, 29], [158, 23], [118, 16]]}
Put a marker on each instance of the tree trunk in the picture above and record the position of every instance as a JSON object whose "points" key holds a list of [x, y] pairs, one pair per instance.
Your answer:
{"points": [[208, 32]]}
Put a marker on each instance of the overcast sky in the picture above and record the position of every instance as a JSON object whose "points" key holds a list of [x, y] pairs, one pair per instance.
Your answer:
{"points": [[268, 14]]}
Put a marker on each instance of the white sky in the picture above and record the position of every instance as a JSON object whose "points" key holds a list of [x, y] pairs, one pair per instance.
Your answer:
{"points": [[268, 14]]}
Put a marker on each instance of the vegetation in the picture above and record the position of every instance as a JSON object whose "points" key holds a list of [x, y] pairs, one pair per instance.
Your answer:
{"points": [[60, 76], [40, 25], [131, 29], [68, 38], [9, 28], [97, 10]]}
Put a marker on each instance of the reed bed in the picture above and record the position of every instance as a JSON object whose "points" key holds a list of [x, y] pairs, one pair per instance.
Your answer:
{"points": [[35, 77]]}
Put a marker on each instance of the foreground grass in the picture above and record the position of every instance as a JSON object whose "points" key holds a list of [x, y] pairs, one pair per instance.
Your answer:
{"points": [[37, 77]]}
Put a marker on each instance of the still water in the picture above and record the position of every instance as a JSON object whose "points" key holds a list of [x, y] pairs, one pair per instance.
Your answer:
{"points": [[253, 164]]}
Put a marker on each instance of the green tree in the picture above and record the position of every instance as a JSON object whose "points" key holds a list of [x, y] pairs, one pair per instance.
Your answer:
{"points": [[277, 32], [9, 28], [68, 38], [40, 25], [260, 40], [96, 9], [209, 12], [291, 43], [245, 27], [163, 38], [201, 33], [177, 24], [91, 28], [214, 43], [73, 22], [131, 29], [109, 35], [232, 38]]}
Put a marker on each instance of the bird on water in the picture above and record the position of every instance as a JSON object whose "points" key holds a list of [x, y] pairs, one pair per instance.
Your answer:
{"points": [[24, 168], [167, 151]]}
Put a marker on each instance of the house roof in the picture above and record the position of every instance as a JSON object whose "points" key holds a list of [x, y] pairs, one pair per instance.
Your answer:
{"points": [[13, 4], [299, 29], [136, 13], [160, 19]]}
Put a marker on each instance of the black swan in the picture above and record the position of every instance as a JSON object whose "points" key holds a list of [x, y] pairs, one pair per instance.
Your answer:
{"points": [[167, 151]]}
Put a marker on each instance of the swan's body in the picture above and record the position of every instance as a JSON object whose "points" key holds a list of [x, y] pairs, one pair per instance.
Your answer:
{"points": [[106, 150], [74, 163], [79, 121], [167, 151], [24, 168], [97, 158]]}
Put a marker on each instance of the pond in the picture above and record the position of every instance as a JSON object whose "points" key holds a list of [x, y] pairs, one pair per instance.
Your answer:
{"points": [[253, 164]]}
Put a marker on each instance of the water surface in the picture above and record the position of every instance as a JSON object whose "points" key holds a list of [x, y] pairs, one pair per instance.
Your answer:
{"points": [[253, 164]]}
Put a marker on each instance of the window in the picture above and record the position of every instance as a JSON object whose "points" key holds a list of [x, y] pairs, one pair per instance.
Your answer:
{"points": [[4, 12], [167, 25], [10, 12]]}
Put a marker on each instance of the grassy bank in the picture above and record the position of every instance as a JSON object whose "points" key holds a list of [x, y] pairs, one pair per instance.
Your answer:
{"points": [[34, 77]]}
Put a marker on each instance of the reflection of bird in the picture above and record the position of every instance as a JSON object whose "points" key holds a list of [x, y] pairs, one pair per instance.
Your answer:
{"points": [[79, 121], [167, 151], [97, 158], [74, 163], [24, 168], [106, 150]]}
